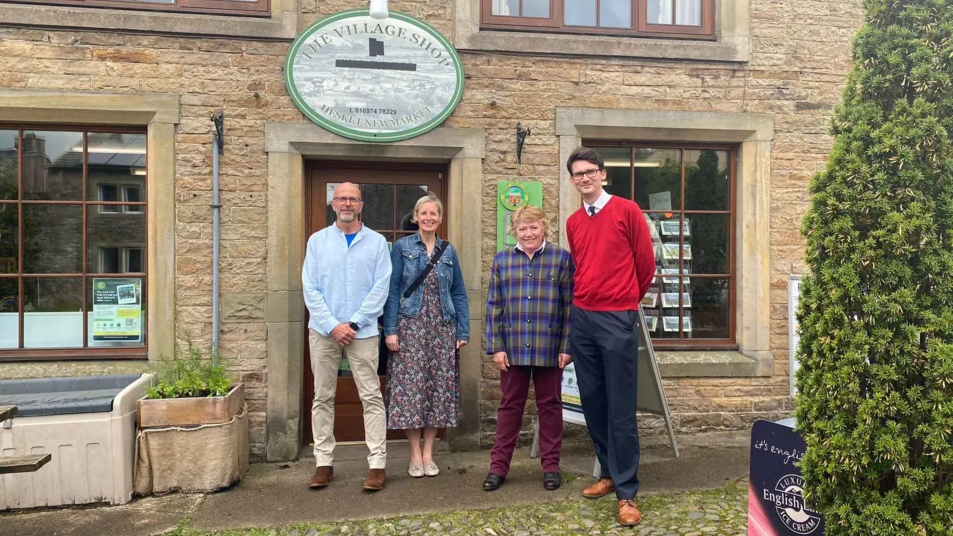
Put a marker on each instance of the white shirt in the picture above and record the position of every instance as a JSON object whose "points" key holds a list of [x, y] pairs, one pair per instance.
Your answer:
{"points": [[601, 202], [537, 252], [345, 284]]}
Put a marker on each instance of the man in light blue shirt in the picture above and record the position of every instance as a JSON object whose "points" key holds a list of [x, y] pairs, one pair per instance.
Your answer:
{"points": [[345, 278]]}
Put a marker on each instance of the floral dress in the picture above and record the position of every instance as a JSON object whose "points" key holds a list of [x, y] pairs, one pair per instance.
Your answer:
{"points": [[424, 384]]}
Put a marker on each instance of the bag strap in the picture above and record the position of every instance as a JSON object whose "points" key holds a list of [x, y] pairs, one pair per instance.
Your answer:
{"points": [[423, 275]]}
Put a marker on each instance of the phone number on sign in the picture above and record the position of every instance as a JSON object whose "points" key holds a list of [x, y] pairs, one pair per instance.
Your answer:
{"points": [[388, 111]]}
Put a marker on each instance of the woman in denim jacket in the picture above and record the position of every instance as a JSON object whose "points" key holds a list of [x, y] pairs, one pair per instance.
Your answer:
{"points": [[423, 333]]}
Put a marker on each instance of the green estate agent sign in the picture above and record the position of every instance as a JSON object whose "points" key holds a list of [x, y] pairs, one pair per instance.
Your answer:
{"points": [[511, 195], [117, 309], [374, 80]]}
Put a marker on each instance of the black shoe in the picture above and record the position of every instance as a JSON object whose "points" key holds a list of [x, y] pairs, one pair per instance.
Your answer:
{"points": [[552, 481], [493, 482]]}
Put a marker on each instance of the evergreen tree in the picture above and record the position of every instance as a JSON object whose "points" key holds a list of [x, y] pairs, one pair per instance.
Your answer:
{"points": [[875, 402]]}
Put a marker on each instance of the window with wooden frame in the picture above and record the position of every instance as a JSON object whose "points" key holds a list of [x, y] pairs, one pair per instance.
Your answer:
{"points": [[73, 243], [253, 8], [686, 195], [693, 19]]}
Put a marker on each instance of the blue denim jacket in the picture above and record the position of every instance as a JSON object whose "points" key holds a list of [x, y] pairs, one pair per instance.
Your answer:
{"points": [[408, 258]]}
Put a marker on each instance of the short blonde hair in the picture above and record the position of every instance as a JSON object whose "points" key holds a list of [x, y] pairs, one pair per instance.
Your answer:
{"points": [[429, 198], [529, 214]]}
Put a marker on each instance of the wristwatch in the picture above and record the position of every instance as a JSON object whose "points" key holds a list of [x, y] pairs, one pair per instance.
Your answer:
{"points": [[354, 326]]}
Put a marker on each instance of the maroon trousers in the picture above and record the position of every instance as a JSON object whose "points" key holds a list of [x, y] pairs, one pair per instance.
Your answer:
{"points": [[515, 386]]}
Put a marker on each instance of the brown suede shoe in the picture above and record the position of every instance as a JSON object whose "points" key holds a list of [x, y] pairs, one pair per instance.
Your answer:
{"points": [[629, 515], [600, 489], [375, 480], [322, 477]]}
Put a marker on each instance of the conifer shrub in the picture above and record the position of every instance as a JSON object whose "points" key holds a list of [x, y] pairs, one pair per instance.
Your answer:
{"points": [[875, 384]]}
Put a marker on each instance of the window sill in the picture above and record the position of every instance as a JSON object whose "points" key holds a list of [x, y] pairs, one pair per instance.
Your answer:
{"points": [[58, 369], [281, 26], [725, 49], [705, 364]]}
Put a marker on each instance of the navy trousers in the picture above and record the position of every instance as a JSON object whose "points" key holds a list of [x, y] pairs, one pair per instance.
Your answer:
{"points": [[605, 350]]}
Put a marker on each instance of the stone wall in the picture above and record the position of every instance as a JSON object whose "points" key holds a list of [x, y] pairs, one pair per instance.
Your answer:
{"points": [[800, 55]]}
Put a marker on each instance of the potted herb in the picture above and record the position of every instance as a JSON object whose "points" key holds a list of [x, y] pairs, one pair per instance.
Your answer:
{"points": [[193, 428]]}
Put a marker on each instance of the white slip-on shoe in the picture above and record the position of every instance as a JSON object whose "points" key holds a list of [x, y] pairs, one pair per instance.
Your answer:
{"points": [[431, 469], [415, 470]]}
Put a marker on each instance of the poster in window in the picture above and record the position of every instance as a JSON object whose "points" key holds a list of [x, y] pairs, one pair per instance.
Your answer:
{"points": [[651, 322], [670, 252], [673, 271], [650, 300], [670, 299], [670, 323], [117, 310], [670, 228]]}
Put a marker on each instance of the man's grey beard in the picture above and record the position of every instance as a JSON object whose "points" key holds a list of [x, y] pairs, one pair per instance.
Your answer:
{"points": [[347, 218]]}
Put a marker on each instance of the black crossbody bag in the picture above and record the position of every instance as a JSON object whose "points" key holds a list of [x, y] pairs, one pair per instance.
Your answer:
{"points": [[423, 275]]}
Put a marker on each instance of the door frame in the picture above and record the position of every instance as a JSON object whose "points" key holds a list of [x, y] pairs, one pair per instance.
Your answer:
{"points": [[398, 173]]}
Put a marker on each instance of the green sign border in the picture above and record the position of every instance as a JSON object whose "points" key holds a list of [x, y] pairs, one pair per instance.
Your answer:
{"points": [[357, 134]]}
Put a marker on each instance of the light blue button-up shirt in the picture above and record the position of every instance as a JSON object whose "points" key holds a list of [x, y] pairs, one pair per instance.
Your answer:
{"points": [[345, 284]]}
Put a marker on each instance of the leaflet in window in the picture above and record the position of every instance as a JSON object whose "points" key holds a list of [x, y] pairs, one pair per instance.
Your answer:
{"points": [[670, 323], [670, 227], [650, 300], [670, 300]]}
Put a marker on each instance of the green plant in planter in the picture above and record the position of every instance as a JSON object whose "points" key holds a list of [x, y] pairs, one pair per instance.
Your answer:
{"points": [[194, 376]]}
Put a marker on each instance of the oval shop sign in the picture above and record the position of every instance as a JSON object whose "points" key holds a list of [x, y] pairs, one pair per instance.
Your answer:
{"points": [[374, 80]]}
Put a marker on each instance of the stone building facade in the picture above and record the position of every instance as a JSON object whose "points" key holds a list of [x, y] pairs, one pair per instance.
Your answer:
{"points": [[762, 90]]}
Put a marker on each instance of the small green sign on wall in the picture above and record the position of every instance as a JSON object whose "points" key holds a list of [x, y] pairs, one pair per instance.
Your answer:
{"points": [[511, 195]]}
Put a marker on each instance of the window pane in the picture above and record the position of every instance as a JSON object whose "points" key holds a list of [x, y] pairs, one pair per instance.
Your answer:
{"points": [[116, 311], [688, 12], [53, 165], [536, 8], [9, 164], [9, 239], [709, 308], [706, 180], [708, 242], [615, 13], [9, 319], [407, 197], [109, 235], [53, 239], [330, 216], [53, 316], [117, 162], [506, 8], [133, 260], [108, 261], [659, 12], [658, 179], [378, 212], [108, 192], [580, 12], [618, 170]]}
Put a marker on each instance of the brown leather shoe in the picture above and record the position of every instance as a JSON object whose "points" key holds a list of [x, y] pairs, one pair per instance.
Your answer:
{"points": [[600, 489], [322, 477], [629, 515], [375, 480]]}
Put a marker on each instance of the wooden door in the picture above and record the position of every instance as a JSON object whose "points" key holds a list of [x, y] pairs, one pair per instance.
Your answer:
{"points": [[389, 192]]}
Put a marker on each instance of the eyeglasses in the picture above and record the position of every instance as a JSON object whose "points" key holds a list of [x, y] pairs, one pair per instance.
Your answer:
{"points": [[345, 199], [589, 173]]}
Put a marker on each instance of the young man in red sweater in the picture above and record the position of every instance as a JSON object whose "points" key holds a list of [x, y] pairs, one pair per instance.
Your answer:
{"points": [[615, 263]]}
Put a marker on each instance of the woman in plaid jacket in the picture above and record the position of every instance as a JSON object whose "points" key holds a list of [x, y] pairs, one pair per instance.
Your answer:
{"points": [[527, 333]]}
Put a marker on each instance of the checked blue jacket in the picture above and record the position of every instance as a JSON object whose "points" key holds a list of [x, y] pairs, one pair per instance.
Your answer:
{"points": [[527, 309]]}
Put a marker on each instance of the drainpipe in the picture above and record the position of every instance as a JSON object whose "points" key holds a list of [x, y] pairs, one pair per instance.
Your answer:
{"points": [[218, 142]]}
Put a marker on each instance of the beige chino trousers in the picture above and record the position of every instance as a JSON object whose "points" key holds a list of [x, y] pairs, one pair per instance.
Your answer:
{"points": [[363, 356]]}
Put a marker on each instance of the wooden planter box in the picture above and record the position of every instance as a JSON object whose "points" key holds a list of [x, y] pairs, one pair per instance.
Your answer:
{"points": [[191, 411]]}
